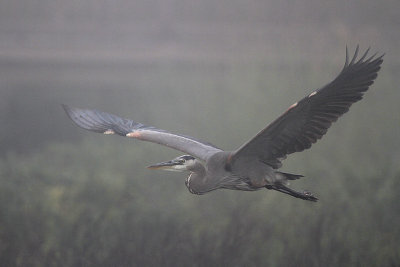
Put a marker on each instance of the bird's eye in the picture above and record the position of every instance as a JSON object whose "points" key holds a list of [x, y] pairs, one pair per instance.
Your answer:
{"points": [[181, 161]]}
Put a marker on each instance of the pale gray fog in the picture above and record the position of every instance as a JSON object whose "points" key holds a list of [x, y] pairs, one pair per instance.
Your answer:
{"points": [[216, 70]]}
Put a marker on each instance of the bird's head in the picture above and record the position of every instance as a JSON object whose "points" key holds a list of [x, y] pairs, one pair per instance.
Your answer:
{"points": [[179, 164]]}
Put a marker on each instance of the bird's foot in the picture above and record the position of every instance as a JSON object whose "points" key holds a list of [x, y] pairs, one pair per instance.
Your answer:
{"points": [[309, 196]]}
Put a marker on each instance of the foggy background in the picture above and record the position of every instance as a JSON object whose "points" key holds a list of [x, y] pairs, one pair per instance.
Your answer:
{"points": [[216, 70]]}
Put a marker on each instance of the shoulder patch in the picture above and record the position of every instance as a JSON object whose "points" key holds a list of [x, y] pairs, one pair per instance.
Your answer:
{"points": [[312, 94]]}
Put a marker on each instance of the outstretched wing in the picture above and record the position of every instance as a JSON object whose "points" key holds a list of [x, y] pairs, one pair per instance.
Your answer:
{"points": [[102, 122], [309, 119]]}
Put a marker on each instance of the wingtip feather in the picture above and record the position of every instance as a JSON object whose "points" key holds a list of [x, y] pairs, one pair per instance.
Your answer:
{"points": [[355, 55]]}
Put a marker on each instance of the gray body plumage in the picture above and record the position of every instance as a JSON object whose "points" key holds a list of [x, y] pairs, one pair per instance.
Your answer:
{"points": [[255, 164]]}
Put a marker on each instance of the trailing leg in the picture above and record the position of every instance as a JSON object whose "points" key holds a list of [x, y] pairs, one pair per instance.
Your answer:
{"points": [[286, 190]]}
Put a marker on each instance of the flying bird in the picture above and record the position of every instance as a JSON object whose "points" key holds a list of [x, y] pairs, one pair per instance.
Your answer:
{"points": [[255, 164]]}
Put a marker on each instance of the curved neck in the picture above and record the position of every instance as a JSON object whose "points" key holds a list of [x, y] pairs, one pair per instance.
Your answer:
{"points": [[198, 182], [197, 167]]}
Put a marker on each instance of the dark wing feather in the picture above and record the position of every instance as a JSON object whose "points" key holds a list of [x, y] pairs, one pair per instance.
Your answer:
{"points": [[102, 122], [309, 119]]}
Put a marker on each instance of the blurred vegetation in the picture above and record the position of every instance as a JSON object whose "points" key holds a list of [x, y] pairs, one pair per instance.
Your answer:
{"points": [[88, 206], [218, 71]]}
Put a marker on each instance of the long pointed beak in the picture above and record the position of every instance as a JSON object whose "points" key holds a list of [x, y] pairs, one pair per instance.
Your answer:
{"points": [[166, 165]]}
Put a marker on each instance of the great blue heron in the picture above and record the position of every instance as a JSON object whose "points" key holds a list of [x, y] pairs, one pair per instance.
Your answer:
{"points": [[255, 164]]}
